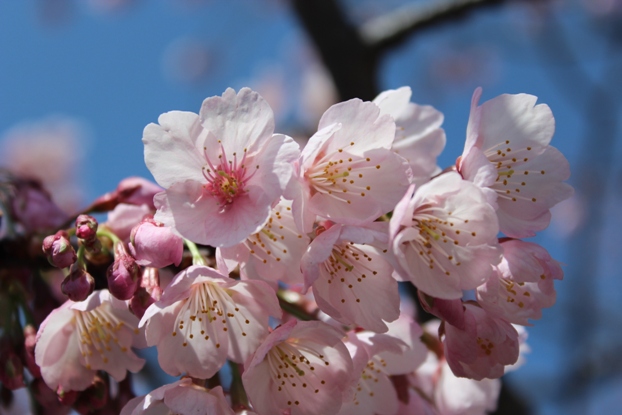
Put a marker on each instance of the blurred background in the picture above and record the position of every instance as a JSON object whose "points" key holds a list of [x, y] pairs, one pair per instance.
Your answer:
{"points": [[80, 79]]}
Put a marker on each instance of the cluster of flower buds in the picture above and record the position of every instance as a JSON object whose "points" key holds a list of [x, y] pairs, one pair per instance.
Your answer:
{"points": [[302, 296]]}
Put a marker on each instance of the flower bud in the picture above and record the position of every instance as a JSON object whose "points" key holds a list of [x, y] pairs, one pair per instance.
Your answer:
{"points": [[66, 397], [30, 340], [148, 293], [86, 228], [94, 397], [123, 274], [155, 245], [58, 250], [78, 285]]}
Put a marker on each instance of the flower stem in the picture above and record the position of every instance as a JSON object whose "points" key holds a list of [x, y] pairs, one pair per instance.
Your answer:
{"points": [[197, 258]]}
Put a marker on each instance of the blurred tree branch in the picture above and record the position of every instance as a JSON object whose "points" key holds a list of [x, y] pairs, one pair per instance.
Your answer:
{"points": [[390, 30], [351, 54]]}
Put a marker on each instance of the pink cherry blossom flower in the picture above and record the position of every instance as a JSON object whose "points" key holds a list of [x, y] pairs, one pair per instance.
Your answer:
{"points": [[352, 281], [460, 396], [181, 397], [222, 169], [407, 330], [483, 348], [204, 318], [273, 253], [507, 152], [418, 136], [347, 172], [155, 245], [374, 393], [444, 237], [302, 368], [523, 283], [78, 339]]}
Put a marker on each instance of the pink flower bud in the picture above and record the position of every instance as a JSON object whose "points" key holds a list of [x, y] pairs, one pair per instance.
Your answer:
{"points": [[66, 397], [148, 293], [86, 227], [155, 245], [58, 250], [94, 397], [123, 274], [137, 191], [78, 285], [30, 339]]}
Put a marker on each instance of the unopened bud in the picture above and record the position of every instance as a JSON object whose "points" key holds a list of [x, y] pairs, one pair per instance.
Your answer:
{"points": [[148, 293], [66, 398], [78, 285], [123, 275], [93, 398], [58, 249], [30, 340], [155, 245], [86, 228]]}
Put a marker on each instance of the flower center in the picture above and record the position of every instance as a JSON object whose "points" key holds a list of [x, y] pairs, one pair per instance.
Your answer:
{"points": [[97, 332], [226, 179]]}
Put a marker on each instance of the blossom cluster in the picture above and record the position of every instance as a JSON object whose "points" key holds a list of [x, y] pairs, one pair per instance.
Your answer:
{"points": [[282, 265]]}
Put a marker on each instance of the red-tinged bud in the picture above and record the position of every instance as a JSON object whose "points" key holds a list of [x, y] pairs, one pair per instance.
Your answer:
{"points": [[155, 245], [123, 274], [30, 340], [58, 250], [47, 398], [86, 227], [93, 398], [78, 285], [67, 398], [11, 370], [143, 299]]}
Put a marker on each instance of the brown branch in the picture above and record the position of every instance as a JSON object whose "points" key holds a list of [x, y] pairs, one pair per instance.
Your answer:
{"points": [[388, 31], [352, 63]]}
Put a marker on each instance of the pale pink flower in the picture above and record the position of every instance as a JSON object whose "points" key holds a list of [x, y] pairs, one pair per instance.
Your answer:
{"points": [[418, 136], [351, 280], [507, 152], [460, 396], [444, 237], [374, 393], [406, 329], [78, 339], [222, 169], [181, 397], [302, 368], [272, 254], [483, 348], [523, 283], [155, 245], [204, 318], [347, 172]]}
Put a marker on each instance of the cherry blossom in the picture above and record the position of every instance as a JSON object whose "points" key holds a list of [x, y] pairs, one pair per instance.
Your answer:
{"points": [[461, 396], [347, 172], [418, 136], [181, 397], [78, 339], [444, 237], [222, 169], [374, 393], [483, 348], [351, 280], [273, 253], [302, 368], [523, 283], [204, 318], [507, 152]]}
